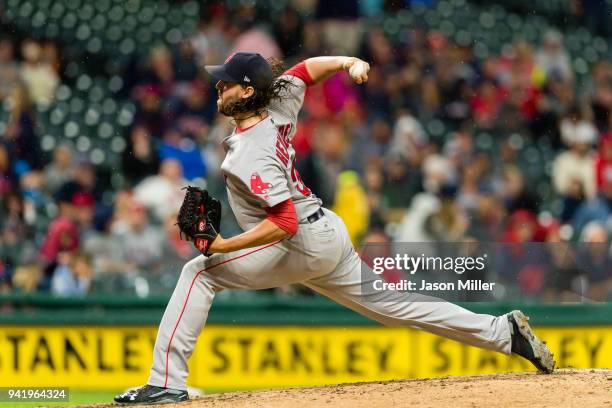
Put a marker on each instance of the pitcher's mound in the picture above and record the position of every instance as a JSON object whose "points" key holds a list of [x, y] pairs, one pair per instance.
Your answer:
{"points": [[564, 388]]}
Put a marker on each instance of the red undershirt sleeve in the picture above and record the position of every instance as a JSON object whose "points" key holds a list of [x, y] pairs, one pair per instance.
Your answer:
{"points": [[299, 70], [283, 214]]}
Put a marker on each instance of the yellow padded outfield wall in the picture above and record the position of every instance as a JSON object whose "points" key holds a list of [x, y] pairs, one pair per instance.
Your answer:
{"points": [[244, 357]]}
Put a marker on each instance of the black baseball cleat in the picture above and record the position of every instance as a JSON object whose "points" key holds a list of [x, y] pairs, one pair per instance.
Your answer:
{"points": [[527, 345], [150, 394]]}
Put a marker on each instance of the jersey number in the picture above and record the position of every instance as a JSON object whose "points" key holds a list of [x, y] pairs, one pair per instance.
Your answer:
{"points": [[297, 180]]}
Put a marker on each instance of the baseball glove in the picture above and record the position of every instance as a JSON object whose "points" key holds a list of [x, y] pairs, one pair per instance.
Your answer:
{"points": [[199, 218]]}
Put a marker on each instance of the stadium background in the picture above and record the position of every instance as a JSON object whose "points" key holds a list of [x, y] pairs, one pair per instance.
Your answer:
{"points": [[483, 122]]}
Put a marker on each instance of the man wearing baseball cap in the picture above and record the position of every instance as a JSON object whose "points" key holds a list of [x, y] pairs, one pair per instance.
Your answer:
{"points": [[244, 68], [289, 237]]}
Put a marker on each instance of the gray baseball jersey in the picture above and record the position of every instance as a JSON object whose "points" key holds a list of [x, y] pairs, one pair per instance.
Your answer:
{"points": [[259, 165], [260, 172]]}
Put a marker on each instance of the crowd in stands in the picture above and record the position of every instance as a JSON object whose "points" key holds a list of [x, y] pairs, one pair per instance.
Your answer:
{"points": [[430, 149]]}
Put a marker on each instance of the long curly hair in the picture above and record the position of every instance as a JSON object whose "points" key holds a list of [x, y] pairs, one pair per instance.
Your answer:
{"points": [[260, 99]]}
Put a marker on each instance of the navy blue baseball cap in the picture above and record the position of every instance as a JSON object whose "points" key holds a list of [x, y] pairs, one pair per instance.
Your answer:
{"points": [[245, 68]]}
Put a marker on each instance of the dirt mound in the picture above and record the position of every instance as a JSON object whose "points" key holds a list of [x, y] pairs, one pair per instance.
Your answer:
{"points": [[564, 388]]}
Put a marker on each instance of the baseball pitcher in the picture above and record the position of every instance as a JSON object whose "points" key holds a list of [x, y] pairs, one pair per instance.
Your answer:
{"points": [[288, 236]]}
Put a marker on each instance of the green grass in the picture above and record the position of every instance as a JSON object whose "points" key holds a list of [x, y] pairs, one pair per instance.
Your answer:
{"points": [[76, 398]]}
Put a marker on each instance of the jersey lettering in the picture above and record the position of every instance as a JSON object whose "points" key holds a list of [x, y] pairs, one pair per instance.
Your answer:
{"points": [[282, 143], [281, 152]]}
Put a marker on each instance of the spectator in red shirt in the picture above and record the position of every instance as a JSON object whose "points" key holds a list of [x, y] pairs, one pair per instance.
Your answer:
{"points": [[63, 233], [603, 162], [486, 103]]}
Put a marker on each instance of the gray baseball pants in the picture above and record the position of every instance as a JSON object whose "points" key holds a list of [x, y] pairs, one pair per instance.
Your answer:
{"points": [[321, 257]]}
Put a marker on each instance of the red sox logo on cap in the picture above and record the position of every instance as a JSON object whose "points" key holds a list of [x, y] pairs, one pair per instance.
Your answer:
{"points": [[258, 186]]}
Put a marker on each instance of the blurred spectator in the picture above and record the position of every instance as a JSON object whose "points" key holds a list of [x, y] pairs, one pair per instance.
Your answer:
{"points": [[412, 227], [6, 276], [177, 249], [83, 180], [594, 14], [448, 223], [601, 96], [13, 220], [251, 37], [597, 210], [487, 221], [459, 148], [210, 42], [408, 135], [351, 205], [196, 111], [575, 129], [13, 235], [185, 151], [73, 276], [8, 179], [140, 158], [572, 201], [516, 110], [50, 56], [553, 57], [554, 103], [470, 186], [522, 226], [603, 163], [437, 172], [562, 268], [519, 69], [39, 77], [595, 260], [288, 27], [574, 170], [373, 182], [62, 235], [60, 170], [21, 132], [84, 204], [150, 111], [9, 70], [515, 192], [142, 242], [160, 74], [321, 167], [379, 137], [162, 193], [35, 202], [486, 103], [401, 181], [105, 250], [26, 277], [184, 64]]}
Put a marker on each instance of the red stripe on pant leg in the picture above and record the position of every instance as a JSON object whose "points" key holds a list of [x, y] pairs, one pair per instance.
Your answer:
{"points": [[189, 293]]}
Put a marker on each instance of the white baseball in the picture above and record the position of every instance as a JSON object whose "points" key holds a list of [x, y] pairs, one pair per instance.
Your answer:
{"points": [[359, 71]]}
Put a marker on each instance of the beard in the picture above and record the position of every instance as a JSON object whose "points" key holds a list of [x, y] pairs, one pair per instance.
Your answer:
{"points": [[234, 108]]}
